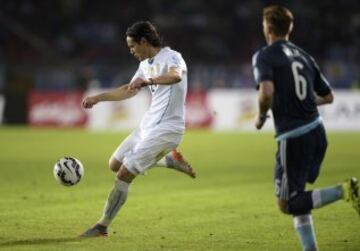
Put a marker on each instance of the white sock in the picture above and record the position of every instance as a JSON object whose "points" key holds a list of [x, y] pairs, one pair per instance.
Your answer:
{"points": [[116, 199], [325, 196], [166, 161], [304, 227], [162, 162]]}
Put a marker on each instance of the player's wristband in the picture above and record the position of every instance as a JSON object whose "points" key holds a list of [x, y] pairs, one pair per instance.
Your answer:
{"points": [[151, 81], [263, 117]]}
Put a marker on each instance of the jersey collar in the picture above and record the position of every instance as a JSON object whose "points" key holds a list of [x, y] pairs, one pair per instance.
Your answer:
{"points": [[151, 60]]}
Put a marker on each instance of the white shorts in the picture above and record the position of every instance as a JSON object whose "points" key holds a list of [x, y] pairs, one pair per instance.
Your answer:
{"points": [[138, 153]]}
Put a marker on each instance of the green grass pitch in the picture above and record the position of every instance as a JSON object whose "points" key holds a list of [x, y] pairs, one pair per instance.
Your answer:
{"points": [[230, 206]]}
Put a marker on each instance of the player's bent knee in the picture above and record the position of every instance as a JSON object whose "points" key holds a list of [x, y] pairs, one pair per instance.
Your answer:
{"points": [[114, 164], [283, 206], [125, 175]]}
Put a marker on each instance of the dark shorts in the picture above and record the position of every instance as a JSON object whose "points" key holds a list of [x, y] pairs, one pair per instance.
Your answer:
{"points": [[298, 162]]}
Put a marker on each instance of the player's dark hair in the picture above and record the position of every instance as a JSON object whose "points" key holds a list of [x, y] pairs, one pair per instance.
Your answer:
{"points": [[279, 18], [146, 30]]}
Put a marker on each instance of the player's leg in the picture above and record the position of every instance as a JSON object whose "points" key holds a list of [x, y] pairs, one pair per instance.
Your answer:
{"points": [[119, 192], [117, 196], [348, 191], [304, 228], [324, 196], [135, 161], [115, 201], [114, 164], [144, 155], [176, 161], [314, 146], [125, 147], [301, 158], [290, 180]]}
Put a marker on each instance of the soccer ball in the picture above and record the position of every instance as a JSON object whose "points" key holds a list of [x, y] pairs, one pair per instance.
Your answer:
{"points": [[68, 171]]}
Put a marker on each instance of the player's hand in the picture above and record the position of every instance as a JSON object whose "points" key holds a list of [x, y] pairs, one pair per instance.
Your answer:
{"points": [[89, 102], [138, 83], [260, 121]]}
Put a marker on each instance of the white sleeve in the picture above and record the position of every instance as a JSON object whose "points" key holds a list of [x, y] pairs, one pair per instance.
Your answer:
{"points": [[176, 61], [138, 74]]}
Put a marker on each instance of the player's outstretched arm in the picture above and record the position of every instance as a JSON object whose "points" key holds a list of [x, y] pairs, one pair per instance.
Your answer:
{"points": [[118, 94], [173, 76]]}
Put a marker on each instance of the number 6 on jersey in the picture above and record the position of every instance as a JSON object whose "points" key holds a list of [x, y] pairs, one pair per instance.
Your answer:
{"points": [[300, 81]]}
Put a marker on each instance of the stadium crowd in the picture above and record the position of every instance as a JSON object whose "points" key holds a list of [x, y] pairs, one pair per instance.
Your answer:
{"points": [[74, 44]]}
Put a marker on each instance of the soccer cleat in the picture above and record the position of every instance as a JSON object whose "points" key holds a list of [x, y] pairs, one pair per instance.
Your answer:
{"points": [[95, 231], [180, 164], [351, 193]]}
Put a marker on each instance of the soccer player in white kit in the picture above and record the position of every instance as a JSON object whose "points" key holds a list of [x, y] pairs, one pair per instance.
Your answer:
{"points": [[164, 72]]}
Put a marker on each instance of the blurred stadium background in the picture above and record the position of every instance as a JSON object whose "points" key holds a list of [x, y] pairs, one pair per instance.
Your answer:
{"points": [[51, 52], [54, 52]]}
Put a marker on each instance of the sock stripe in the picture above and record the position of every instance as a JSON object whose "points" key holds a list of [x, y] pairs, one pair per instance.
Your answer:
{"points": [[303, 220], [316, 198], [111, 211], [284, 189]]}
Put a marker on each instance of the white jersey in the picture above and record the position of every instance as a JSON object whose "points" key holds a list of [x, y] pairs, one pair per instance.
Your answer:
{"points": [[167, 109]]}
